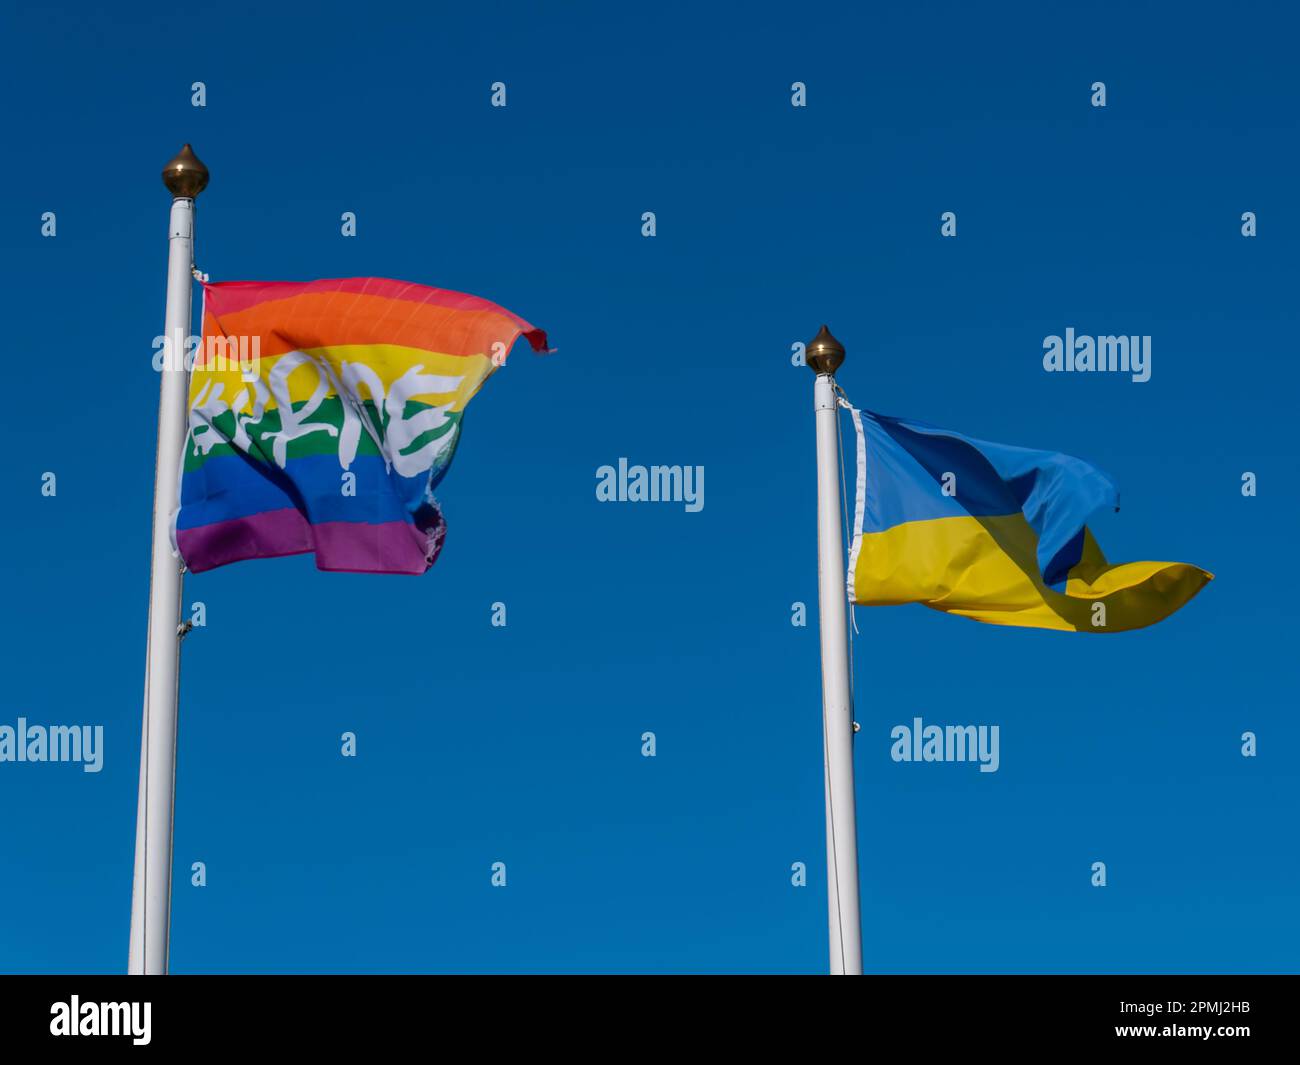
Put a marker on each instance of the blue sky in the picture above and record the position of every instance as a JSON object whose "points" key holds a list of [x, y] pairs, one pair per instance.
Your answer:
{"points": [[522, 744]]}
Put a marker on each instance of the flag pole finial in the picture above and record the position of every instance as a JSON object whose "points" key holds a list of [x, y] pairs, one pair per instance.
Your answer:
{"points": [[185, 176], [824, 354]]}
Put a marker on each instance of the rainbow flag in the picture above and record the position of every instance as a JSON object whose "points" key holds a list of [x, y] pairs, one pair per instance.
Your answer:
{"points": [[323, 414], [995, 533]]}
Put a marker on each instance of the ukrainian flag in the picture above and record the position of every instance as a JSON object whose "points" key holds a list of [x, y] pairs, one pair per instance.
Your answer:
{"points": [[995, 533]]}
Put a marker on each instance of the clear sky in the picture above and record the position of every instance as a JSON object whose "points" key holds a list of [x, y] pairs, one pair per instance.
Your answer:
{"points": [[522, 744]]}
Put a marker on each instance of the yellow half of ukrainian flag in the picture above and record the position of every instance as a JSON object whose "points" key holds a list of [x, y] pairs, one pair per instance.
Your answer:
{"points": [[995, 533]]}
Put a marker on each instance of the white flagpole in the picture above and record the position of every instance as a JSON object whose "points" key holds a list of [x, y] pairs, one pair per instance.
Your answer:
{"points": [[824, 354], [185, 176]]}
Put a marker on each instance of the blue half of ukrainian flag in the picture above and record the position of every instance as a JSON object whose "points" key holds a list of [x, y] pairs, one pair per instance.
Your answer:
{"points": [[995, 533]]}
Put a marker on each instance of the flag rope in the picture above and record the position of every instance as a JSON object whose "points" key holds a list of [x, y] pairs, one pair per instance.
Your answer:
{"points": [[850, 630], [852, 534]]}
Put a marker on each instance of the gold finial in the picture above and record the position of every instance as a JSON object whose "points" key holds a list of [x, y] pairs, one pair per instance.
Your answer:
{"points": [[824, 353], [185, 176]]}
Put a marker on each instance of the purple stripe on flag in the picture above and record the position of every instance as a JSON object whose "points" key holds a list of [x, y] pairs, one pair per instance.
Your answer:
{"points": [[340, 546]]}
